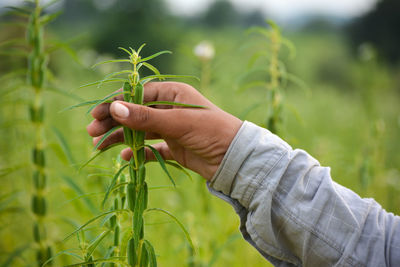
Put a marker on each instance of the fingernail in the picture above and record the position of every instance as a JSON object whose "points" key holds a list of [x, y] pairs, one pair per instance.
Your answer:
{"points": [[120, 110]]}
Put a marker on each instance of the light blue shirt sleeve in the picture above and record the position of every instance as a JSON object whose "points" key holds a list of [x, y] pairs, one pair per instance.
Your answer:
{"points": [[294, 214]]}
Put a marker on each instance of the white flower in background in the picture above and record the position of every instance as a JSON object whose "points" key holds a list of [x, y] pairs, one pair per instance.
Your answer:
{"points": [[204, 50]]}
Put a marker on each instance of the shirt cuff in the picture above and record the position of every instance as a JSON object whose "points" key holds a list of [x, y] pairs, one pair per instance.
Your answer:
{"points": [[253, 152]]}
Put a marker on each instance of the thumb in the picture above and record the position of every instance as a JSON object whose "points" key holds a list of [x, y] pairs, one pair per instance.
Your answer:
{"points": [[138, 117]]}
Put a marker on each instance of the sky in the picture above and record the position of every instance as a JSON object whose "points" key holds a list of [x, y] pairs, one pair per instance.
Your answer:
{"points": [[281, 10]]}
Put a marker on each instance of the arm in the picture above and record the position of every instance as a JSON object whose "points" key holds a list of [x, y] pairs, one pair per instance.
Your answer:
{"points": [[293, 212]]}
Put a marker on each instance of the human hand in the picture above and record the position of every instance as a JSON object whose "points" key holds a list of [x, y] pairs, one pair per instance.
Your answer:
{"points": [[194, 137]]}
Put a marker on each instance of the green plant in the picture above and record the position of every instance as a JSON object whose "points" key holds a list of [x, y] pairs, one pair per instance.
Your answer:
{"points": [[131, 193], [33, 17], [33, 48], [270, 74]]}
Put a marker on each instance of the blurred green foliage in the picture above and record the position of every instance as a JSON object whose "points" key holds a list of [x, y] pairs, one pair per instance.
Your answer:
{"points": [[350, 122]]}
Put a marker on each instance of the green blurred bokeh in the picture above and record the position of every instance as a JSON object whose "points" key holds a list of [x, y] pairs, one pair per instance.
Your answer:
{"points": [[348, 119]]}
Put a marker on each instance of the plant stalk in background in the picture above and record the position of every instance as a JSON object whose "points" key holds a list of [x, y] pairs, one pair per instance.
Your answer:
{"points": [[37, 65], [274, 75]]}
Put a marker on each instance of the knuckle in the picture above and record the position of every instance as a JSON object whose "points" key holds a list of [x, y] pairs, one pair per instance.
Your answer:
{"points": [[141, 114]]}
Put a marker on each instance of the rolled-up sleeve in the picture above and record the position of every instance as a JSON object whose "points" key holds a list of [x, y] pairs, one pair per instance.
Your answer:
{"points": [[294, 214]]}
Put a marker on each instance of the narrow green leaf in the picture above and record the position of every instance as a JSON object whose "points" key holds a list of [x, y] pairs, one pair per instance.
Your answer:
{"points": [[103, 222], [217, 252], [117, 260], [64, 93], [155, 55], [260, 30], [97, 154], [80, 197], [116, 187], [162, 162], [108, 254], [169, 103], [64, 252], [111, 61], [50, 4], [126, 50], [103, 81], [95, 103], [86, 103], [74, 186], [107, 134], [64, 145], [254, 84], [92, 220], [166, 76], [140, 48], [178, 223], [112, 184], [19, 10], [246, 112], [66, 47], [151, 67], [49, 17], [180, 168], [111, 75], [151, 254], [96, 242]]}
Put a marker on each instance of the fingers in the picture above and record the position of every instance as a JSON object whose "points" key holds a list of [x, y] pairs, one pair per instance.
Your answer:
{"points": [[96, 127], [165, 122], [101, 112], [162, 148], [114, 138], [118, 137]]}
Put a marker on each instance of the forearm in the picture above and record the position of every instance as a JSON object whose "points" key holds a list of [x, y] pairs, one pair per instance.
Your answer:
{"points": [[293, 212]]}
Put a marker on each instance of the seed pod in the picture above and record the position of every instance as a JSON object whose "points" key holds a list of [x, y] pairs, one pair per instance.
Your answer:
{"points": [[131, 252], [141, 174], [132, 172], [39, 180], [41, 256], [38, 232], [141, 235], [138, 97], [122, 179], [116, 235], [90, 264], [116, 204], [42, 72], [146, 195], [127, 136], [38, 205], [128, 90], [49, 254], [144, 260], [123, 200], [38, 157], [131, 196], [113, 221]]}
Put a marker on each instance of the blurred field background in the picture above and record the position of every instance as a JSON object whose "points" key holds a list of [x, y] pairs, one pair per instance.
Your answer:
{"points": [[346, 114]]}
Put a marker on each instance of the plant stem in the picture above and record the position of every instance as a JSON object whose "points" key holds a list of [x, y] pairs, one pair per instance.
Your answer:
{"points": [[37, 64]]}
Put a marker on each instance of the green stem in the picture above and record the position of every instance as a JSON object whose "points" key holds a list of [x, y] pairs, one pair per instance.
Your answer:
{"points": [[36, 66]]}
